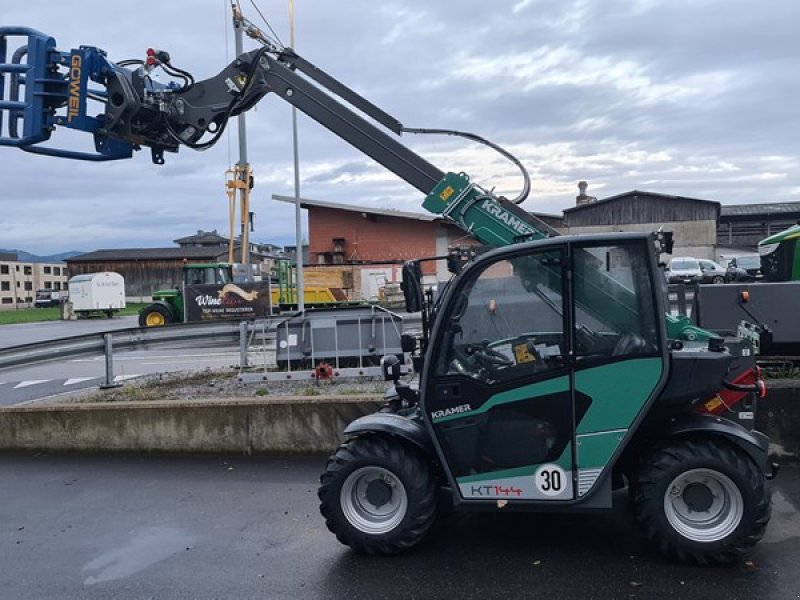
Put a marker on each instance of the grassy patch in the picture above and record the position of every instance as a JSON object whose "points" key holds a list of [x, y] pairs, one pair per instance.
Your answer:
{"points": [[51, 313], [30, 315]]}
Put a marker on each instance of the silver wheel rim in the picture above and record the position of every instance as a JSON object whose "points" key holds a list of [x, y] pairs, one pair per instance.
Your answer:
{"points": [[719, 512], [359, 506]]}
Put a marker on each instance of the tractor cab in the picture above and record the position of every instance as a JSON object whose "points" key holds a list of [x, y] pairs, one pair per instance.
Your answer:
{"points": [[205, 274]]}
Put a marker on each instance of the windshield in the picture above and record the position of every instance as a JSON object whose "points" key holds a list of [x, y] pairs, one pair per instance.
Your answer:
{"points": [[749, 262], [684, 265]]}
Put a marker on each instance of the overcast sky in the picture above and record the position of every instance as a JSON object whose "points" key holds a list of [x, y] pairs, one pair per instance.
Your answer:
{"points": [[688, 97]]}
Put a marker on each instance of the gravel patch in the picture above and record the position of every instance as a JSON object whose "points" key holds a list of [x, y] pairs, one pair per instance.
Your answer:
{"points": [[223, 384]]}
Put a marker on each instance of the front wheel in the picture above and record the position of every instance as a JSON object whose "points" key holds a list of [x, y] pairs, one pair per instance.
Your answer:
{"points": [[701, 501], [718, 279], [155, 315], [377, 495]]}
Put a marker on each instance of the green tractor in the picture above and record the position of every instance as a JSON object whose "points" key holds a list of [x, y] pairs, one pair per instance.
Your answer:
{"points": [[168, 305], [780, 255], [547, 380]]}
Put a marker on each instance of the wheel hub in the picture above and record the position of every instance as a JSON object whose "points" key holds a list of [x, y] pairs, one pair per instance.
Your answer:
{"points": [[373, 500], [703, 505], [378, 493], [154, 319], [698, 497]]}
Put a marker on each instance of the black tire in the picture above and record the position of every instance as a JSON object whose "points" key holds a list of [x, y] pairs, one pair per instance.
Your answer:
{"points": [[721, 511], [718, 279], [364, 464], [155, 315]]}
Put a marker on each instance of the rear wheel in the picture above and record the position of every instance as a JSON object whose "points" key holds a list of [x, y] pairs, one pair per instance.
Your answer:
{"points": [[701, 501], [377, 495], [718, 279], [155, 315]]}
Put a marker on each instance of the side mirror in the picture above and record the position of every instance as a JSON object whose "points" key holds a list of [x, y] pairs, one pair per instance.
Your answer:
{"points": [[412, 286], [390, 366]]}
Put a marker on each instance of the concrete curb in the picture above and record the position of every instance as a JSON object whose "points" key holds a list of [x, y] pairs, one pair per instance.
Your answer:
{"points": [[242, 426], [248, 425]]}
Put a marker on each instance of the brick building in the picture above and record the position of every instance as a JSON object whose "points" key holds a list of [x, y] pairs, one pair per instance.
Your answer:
{"points": [[344, 234]]}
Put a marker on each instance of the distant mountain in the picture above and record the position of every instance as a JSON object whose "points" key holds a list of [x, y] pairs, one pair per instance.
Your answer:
{"points": [[23, 256]]}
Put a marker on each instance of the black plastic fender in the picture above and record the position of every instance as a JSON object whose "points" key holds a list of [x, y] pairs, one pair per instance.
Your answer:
{"points": [[754, 443], [163, 303], [393, 424]]}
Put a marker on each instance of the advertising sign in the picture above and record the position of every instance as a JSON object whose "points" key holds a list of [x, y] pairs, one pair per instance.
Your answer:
{"points": [[231, 301]]}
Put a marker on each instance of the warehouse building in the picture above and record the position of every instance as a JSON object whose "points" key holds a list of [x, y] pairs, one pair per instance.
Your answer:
{"points": [[692, 221]]}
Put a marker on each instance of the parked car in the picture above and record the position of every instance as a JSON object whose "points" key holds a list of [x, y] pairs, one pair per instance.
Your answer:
{"points": [[47, 297], [713, 272], [744, 268], [684, 269]]}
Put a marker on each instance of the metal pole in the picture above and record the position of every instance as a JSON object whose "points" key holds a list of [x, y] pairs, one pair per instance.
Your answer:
{"points": [[109, 352], [243, 345], [298, 217], [244, 166]]}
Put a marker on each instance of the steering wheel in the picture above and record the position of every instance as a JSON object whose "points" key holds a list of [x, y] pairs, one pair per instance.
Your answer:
{"points": [[491, 357]]}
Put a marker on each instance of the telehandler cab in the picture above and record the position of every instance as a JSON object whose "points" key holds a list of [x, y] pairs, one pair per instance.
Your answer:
{"points": [[549, 373]]}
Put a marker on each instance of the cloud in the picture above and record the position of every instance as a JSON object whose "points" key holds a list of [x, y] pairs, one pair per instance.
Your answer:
{"points": [[690, 97]]}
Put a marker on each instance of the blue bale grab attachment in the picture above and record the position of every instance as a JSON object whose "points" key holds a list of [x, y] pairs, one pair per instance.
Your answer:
{"points": [[42, 87]]}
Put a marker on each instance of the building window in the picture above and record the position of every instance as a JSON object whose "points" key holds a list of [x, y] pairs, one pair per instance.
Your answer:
{"points": [[48, 285], [28, 270], [28, 286], [3, 269], [8, 301], [5, 286], [57, 286], [56, 270], [47, 270]]}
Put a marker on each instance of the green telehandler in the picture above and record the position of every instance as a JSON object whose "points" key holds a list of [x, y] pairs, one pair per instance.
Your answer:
{"points": [[549, 372]]}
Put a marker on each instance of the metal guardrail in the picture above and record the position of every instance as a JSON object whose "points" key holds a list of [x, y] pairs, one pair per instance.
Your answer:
{"points": [[123, 338], [242, 333]]}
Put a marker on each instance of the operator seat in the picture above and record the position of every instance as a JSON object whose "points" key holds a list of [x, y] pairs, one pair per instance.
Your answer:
{"points": [[630, 343]]}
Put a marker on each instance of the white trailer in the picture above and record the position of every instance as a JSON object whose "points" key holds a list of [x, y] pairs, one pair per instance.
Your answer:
{"points": [[97, 292]]}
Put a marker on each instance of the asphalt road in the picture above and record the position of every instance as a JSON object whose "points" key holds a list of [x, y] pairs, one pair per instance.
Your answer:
{"points": [[124, 527], [29, 333], [43, 381], [26, 384]]}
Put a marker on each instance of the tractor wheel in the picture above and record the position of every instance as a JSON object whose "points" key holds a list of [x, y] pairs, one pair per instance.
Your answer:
{"points": [[377, 495], [701, 501], [155, 315]]}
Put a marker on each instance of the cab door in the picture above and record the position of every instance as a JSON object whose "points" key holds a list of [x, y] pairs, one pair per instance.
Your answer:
{"points": [[498, 392], [542, 361]]}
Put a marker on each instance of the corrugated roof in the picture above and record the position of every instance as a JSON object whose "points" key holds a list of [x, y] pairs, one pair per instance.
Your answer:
{"points": [[147, 254], [201, 236], [386, 212], [766, 208], [638, 193]]}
